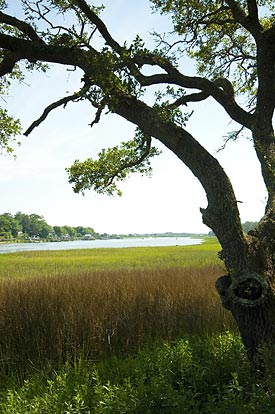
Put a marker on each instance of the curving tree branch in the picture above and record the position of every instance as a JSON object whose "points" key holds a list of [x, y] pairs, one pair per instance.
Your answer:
{"points": [[71, 98], [185, 99], [24, 27], [92, 16], [222, 94]]}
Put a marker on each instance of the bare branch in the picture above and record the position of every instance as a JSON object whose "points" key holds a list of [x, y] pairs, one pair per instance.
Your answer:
{"points": [[97, 116], [161, 41], [91, 15], [193, 97], [231, 136], [32, 51], [75, 97], [226, 86], [221, 89]]}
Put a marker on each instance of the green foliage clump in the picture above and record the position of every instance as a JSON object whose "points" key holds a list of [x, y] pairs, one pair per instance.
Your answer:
{"points": [[113, 165], [201, 375], [9, 129], [211, 36]]}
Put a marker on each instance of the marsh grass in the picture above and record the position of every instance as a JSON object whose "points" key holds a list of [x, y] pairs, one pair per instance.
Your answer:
{"points": [[97, 314], [59, 305], [75, 262]]}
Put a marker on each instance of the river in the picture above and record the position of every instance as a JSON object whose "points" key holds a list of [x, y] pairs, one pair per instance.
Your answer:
{"points": [[95, 244]]}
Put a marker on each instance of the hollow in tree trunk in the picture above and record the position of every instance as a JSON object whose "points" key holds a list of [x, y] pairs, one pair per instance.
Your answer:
{"points": [[249, 295]]}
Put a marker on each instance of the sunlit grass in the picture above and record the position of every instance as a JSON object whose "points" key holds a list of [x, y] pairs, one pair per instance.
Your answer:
{"points": [[62, 262], [56, 305], [117, 311]]}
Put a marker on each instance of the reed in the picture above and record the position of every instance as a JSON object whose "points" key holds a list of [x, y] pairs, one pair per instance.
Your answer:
{"points": [[98, 313]]}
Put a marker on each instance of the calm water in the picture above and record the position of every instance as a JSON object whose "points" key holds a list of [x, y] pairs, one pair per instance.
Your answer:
{"points": [[93, 244]]}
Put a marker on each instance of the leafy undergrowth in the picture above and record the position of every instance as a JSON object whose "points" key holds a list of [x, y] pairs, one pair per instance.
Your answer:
{"points": [[192, 375]]}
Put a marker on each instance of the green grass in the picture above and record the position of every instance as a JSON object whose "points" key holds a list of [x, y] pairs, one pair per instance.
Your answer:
{"points": [[62, 262]]}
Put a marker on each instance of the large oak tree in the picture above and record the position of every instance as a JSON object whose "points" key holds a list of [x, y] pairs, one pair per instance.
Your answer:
{"points": [[233, 44]]}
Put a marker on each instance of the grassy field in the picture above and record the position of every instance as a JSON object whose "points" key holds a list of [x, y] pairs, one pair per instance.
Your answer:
{"points": [[59, 305], [75, 262], [136, 330]]}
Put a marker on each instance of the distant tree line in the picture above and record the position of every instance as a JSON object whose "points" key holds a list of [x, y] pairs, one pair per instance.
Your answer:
{"points": [[34, 227]]}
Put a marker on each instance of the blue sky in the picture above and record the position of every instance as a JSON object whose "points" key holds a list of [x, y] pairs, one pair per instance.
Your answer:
{"points": [[36, 182]]}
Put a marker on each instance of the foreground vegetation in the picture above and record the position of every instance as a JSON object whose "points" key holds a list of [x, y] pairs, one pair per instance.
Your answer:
{"points": [[122, 331], [192, 375], [56, 306], [197, 375]]}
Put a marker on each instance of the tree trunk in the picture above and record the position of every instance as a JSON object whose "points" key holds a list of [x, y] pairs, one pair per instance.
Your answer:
{"points": [[251, 302], [247, 289], [250, 296]]}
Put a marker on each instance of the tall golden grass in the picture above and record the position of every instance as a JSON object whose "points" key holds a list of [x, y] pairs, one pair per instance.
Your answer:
{"points": [[96, 313]]}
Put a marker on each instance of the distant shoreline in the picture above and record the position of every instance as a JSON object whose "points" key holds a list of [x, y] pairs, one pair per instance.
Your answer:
{"points": [[109, 237], [101, 244]]}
